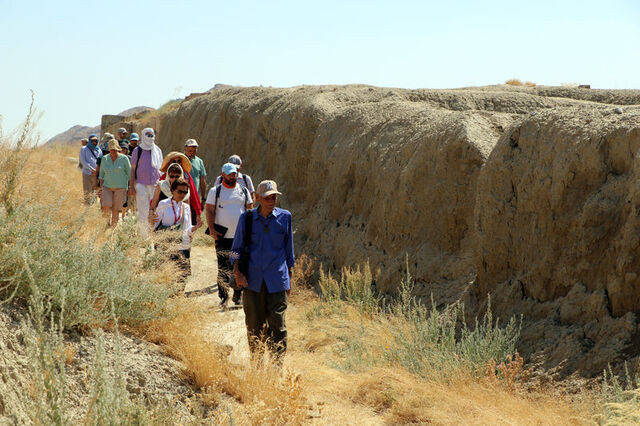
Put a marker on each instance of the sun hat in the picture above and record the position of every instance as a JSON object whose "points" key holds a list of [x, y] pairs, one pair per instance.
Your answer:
{"points": [[191, 142], [122, 130], [268, 187], [134, 137], [113, 144], [84, 140], [228, 168], [235, 159], [184, 161], [107, 136]]}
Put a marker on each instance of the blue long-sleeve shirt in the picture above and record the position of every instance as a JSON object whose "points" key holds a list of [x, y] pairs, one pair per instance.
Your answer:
{"points": [[271, 251], [89, 160]]}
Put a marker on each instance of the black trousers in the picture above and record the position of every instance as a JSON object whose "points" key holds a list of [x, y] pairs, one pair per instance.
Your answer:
{"points": [[265, 320], [223, 250]]}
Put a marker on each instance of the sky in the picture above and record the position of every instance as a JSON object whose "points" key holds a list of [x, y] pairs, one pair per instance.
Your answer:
{"points": [[86, 58]]}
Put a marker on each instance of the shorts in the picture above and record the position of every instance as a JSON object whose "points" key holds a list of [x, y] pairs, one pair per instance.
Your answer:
{"points": [[113, 197]]}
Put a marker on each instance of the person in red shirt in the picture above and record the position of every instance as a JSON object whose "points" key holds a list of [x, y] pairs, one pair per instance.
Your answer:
{"points": [[194, 201]]}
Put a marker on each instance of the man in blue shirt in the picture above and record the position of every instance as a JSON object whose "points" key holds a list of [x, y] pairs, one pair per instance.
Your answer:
{"points": [[89, 155], [268, 282]]}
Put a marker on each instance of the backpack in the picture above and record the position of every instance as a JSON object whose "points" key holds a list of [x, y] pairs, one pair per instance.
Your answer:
{"points": [[245, 191]]}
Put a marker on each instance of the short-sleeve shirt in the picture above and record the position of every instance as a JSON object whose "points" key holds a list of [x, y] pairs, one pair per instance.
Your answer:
{"points": [[231, 204], [115, 174], [197, 170], [244, 180], [147, 174]]}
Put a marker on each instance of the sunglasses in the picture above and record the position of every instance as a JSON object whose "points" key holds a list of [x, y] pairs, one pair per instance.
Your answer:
{"points": [[149, 135], [175, 160], [181, 191], [174, 176]]}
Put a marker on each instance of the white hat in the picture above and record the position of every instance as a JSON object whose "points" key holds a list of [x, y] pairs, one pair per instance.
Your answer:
{"points": [[191, 142], [268, 187]]}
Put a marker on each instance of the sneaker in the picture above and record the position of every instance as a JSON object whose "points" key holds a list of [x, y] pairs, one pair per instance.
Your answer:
{"points": [[224, 296], [237, 297]]}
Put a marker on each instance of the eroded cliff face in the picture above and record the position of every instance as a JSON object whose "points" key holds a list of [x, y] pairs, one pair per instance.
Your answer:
{"points": [[514, 192]]}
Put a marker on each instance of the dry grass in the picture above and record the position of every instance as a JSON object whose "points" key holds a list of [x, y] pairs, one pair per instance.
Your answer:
{"points": [[268, 395], [391, 395], [516, 82]]}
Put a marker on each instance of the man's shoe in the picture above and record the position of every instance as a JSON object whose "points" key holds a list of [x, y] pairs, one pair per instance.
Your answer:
{"points": [[224, 297], [237, 297]]}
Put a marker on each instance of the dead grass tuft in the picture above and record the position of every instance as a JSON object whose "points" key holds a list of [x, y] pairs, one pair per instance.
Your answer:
{"points": [[513, 82], [270, 395]]}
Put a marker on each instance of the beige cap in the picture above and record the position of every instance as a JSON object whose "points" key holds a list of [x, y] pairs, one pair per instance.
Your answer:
{"points": [[113, 144], [191, 142], [268, 187]]}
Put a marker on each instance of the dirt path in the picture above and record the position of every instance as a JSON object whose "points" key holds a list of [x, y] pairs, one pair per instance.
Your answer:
{"points": [[202, 284], [325, 387]]}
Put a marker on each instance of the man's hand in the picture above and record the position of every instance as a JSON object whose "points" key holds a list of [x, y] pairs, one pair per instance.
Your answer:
{"points": [[216, 235], [153, 216], [198, 223], [241, 280]]}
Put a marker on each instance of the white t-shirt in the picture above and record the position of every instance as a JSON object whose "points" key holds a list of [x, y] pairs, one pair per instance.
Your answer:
{"points": [[170, 213], [244, 180], [231, 204]]}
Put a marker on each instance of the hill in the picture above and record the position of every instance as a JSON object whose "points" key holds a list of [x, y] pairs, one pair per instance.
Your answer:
{"points": [[524, 193], [76, 133]]}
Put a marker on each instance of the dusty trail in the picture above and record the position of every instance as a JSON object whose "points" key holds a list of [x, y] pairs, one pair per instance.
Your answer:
{"points": [[325, 387], [231, 330]]}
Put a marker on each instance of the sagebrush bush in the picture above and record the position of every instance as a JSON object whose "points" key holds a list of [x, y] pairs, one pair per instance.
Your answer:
{"points": [[38, 252], [428, 342]]}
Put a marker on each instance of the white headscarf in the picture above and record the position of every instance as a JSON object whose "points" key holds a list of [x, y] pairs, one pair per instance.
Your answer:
{"points": [[165, 186], [148, 144]]}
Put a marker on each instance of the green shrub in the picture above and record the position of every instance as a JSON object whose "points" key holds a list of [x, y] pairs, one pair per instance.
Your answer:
{"points": [[427, 342], [38, 252], [354, 287]]}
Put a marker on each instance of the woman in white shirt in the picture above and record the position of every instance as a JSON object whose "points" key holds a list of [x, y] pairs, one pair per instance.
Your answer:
{"points": [[174, 215]]}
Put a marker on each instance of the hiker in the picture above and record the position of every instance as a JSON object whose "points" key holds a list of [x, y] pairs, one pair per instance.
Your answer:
{"points": [[194, 199], [146, 160], [173, 214], [244, 179], [225, 203], [89, 155], [114, 175], [83, 142], [198, 171], [123, 141], [262, 260], [163, 188], [133, 142], [106, 137]]}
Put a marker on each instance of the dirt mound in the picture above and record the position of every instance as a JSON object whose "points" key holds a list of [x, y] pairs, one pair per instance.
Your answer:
{"points": [[532, 189], [149, 374]]}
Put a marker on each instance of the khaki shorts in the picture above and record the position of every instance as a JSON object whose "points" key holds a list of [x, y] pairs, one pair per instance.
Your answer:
{"points": [[113, 197]]}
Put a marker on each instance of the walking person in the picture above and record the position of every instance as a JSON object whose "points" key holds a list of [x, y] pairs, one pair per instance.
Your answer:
{"points": [[163, 188], [83, 142], [244, 179], [194, 200], [172, 214], [115, 170], [89, 155], [225, 203], [146, 160], [262, 260], [198, 172], [133, 142]]}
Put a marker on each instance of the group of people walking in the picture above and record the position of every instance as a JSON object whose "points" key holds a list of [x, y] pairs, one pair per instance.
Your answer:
{"points": [[254, 246]]}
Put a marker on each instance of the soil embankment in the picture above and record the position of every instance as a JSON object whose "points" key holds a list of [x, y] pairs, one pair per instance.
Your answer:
{"points": [[525, 193]]}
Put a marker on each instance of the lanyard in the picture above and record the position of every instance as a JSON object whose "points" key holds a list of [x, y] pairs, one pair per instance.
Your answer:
{"points": [[176, 216]]}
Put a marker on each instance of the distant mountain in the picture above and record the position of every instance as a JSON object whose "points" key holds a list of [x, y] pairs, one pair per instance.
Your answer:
{"points": [[75, 133]]}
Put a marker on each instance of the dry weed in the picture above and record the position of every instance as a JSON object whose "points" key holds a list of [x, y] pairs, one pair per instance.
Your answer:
{"points": [[511, 373], [513, 82], [269, 394]]}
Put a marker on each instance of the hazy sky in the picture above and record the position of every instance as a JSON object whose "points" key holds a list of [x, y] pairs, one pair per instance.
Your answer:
{"points": [[88, 58]]}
